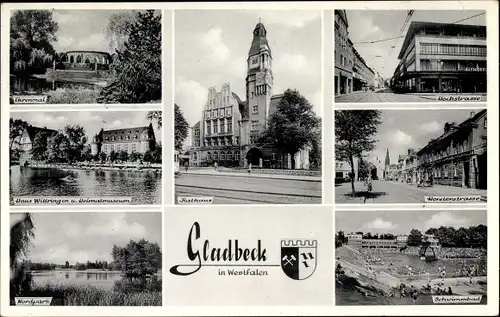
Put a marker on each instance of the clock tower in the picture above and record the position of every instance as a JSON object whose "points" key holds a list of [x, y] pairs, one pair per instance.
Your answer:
{"points": [[259, 81]]}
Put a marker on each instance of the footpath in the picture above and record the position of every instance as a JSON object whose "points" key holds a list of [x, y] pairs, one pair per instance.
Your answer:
{"points": [[434, 96], [213, 172]]}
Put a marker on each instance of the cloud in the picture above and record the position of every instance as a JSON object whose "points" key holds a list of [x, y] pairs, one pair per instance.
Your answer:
{"points": [[215, 49], [316, 101], [191, 97], [116, 226], [447, 219], [293, 63], [380, 225], [431, 127], [399, 137], [289, 18], [117, 123]]}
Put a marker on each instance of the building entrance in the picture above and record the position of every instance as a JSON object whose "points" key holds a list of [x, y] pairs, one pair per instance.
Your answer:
{"points": [[482, 173], [254, 155]]}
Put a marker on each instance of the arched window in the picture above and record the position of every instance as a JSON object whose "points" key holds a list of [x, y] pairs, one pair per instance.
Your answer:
{"points": [[72, 59], [236, 156], [222, 156], [229, 156], [216, 156], [209, 156], [273, 155], [79, 58]]}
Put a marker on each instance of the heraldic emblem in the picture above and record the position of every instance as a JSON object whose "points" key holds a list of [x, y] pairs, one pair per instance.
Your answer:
{"points": [[298, 258]]}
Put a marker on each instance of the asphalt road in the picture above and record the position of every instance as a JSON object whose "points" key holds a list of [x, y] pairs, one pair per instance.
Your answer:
{"points": [[392, 192], [248, 190]]}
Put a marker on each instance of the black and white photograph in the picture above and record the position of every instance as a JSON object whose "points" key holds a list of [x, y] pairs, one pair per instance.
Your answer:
{"points": [[86, 157], [85, 56], [87, 258], [248, 107], [411, 257], [411, 156], [410, 56]]}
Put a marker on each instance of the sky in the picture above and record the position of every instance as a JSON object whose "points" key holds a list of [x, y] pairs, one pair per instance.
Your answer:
{"points": [[404, 129], [371, 25], [402, 221], [83, 30], [92, 121], [211, 48], [82, 236]]}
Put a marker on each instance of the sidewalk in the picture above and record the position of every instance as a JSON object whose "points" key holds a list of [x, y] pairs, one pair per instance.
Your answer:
{"points": [[252, 175], [434, 96], [452, 190]]}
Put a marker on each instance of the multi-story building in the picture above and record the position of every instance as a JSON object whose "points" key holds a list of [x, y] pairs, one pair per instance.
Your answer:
{"points": [[139, 140], [459, 156], [344, 57], [409, 172], [229, 129], [26, 142], [343, 169], [363, 76], [442, 57]]}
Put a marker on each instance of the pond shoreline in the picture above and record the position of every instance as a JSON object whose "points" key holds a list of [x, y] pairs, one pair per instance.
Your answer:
{"points": [[99, 167]]}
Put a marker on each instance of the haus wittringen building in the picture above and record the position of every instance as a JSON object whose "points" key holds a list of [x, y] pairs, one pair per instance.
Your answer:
{"points": [[139, 140], [230, 127], [442, 57]]}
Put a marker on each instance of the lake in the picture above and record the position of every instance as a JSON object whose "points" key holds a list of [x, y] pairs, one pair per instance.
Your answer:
{"points": [[143, 186], [97, 278]]}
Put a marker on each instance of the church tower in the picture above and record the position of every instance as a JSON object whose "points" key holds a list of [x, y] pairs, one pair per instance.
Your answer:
{"points": [[387, 159], [259, 81]]}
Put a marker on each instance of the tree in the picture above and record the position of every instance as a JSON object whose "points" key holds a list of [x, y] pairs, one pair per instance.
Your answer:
{"points": [[354, 131], [32, 33], [102, 157], [415, 238], [156, 115], [113, 156], [181, 128], [157, 154], [148, 157], [364, 168], [138, 259], [58, 148], [22, 232], [39, 147], [315, 154], [137, 71], [293, 126], [118, 28], [66, 265], [76, 140], [123, 156], [17, 127]]}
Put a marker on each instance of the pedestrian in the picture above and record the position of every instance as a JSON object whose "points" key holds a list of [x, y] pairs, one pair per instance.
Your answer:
{"points": [[186, 166], [249, 168], [215, 165]]}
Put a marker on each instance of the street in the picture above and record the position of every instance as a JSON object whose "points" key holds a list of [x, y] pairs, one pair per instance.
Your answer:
{"points": [[388, 96], [393, 192], [246, 189]]}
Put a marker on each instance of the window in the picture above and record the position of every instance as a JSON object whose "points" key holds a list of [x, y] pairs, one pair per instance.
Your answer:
{"points": [[273, 155], [118, 147], [255, 109], [229, 126], [113, 138], [209, 156], [485, 123], [237, 139], [125, 147], [196, 132], [216, 156], [229, 156], [214, 128], [104, 148], [222, 156], [230, 111], [236, 156], [136, 137], [134, 147], [255, 125], [222, 126], [197, 143], [195, 156]]}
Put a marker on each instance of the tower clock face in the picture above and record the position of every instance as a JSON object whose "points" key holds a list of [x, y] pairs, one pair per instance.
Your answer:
{"points": [[254, 62], [261, 78]]}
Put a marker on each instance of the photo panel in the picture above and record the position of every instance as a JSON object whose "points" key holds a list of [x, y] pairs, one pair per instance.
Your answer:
{"points": [[404, 56], [86, 258], [425, 156], [115, 58], [249, 256], [248, 107], [411, 257], [85, 158]]}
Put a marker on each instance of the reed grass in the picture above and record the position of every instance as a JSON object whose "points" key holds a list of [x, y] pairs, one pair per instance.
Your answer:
{"points": [[88, 295], [73, 96]]}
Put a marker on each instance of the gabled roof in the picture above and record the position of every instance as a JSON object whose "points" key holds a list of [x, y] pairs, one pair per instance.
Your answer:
{"points": [[33, 131]]}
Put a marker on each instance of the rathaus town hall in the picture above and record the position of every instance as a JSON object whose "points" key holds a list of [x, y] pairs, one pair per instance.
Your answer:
{"points": [[230, 128]]}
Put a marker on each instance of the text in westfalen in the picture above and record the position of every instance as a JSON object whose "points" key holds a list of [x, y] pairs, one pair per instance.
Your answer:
{"points": [[243, 271]]}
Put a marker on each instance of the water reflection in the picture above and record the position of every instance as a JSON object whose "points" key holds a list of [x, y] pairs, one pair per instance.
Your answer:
{"points": [[103, 279], [40, 85], [143, 186]]}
